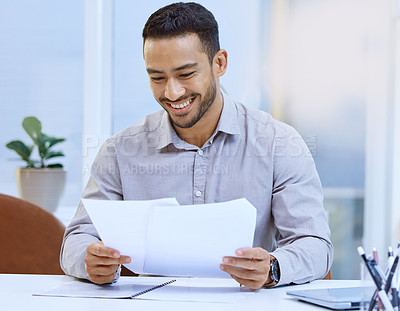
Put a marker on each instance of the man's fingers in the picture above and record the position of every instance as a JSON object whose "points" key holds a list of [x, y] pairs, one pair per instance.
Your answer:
{"points": [[250, 268], [105, 255], [102, 262], [92, 260], [250, 279], [248, 283], [100, 250], [124, 259], [241, 273], [246, 263], [255, 253], [102, 270], [102, 279]]}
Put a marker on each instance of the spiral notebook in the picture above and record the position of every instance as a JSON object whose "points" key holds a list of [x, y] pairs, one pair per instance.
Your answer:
{"points": [[85, 289], [153, 288]]}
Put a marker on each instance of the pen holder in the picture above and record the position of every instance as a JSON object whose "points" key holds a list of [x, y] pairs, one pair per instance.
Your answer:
{"points": [[369, 297], [367, 289], [386, 290]]}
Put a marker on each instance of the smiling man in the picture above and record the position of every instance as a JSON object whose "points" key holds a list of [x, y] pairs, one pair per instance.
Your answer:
{"points": [[185, 83], [205, 147]]}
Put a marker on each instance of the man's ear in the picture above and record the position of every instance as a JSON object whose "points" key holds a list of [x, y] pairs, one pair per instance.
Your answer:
{"points": [[220, 63]]}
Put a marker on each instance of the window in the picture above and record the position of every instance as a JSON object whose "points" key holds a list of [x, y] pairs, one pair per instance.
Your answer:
{"points": [[41, 61]]}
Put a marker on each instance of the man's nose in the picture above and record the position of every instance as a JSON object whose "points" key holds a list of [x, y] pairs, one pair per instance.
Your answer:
{"points": [[174, 90]]}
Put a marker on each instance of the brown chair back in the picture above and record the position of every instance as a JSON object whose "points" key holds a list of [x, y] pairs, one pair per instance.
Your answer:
{"points": [[328, 276], [30, 238]]}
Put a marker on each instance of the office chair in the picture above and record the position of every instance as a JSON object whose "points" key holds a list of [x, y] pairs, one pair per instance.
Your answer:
{"points": [[328, 276], [30, 238]]}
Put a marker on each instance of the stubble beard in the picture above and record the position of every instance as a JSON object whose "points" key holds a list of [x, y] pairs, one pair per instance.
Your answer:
{"points": [[204, 105]]}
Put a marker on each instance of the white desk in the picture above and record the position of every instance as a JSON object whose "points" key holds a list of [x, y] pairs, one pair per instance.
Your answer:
{"points": [[16, 294]]}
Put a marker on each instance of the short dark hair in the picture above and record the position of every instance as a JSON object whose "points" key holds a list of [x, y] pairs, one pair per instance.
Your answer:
{"points": [[179, 19]]}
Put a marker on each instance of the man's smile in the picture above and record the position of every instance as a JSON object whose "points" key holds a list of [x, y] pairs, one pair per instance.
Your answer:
{"points": [[180, 107]]}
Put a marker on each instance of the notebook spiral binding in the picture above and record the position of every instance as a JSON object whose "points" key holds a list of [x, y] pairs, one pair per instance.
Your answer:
{"points": [[152, 288]]}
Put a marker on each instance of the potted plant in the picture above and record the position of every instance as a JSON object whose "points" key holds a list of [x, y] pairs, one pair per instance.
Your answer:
{"points": [[40, 182]]}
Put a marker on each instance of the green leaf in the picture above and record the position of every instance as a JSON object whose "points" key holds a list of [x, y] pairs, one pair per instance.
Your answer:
{"points": [[54, 154], [33, 127], [23, 150], [51, 141], [55, 165]]}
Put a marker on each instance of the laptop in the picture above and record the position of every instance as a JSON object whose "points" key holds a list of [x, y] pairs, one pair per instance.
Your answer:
{"points": [[335, 298]]}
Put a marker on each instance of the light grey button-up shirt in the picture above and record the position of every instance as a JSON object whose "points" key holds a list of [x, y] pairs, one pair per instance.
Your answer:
{"points": [[250, 155]]}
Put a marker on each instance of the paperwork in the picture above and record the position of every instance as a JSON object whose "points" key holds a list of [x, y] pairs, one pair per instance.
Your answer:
{"points": [[163, 238], [195, 290], [86, 289]]}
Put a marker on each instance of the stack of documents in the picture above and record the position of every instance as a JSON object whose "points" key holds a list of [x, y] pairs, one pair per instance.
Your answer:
{"points": [[164, 238]]}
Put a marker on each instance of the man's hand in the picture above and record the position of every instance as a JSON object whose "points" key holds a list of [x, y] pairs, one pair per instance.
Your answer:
{"points": [[250, 268], [102, 262]]}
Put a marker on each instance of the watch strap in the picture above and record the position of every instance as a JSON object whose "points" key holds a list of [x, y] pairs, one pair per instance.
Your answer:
{"points": [[274, 272]]}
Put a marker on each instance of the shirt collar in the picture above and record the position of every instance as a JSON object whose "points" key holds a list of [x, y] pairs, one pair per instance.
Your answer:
{"points": [[166, 132], [228, 123]]}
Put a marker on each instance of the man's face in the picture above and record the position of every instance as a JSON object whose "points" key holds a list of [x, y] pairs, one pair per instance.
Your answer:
{"points": [[181, 78]]}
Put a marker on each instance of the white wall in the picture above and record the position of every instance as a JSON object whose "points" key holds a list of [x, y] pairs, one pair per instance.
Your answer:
{"points": [[41, 74]]}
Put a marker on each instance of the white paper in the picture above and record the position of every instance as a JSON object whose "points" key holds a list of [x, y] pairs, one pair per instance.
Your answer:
{"points": [[123, 225], [163, 239], [192, 290], [195, 290], [86, 289]]}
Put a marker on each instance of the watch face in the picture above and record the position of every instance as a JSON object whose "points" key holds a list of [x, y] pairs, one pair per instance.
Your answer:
{"points": [[275, 273]]}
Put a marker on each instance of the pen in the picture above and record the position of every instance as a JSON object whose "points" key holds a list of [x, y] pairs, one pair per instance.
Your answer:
{"points": [[394, 281], [391, 274], [375, 255], [375, 298], [398, 274], [395, 285], [390, 251], [375, 276], [395, 297], [390, 259], [392, 277], [378, 269]]}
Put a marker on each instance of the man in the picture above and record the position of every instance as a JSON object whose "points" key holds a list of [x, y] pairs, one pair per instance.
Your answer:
{"points": [[204, 147]]}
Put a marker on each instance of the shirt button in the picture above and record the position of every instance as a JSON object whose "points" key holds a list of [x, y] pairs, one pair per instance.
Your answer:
{"points": [[198, 193], [200, 152]]}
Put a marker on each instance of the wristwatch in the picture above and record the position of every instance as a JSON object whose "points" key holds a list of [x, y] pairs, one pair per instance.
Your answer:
{"points": [[274, 271]]}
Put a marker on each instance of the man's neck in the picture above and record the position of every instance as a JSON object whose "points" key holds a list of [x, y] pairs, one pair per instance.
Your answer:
{"points": [[199, 133]]}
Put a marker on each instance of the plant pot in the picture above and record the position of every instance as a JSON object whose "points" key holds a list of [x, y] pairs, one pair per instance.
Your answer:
{"points": [[41, 186]]}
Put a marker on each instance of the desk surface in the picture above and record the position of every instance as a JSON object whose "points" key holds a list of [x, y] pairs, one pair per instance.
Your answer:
{"points": [[16, 294]]}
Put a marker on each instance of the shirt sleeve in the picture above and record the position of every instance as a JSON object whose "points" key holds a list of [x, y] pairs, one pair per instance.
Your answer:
{"points": [[104, 184], [304, 250]]}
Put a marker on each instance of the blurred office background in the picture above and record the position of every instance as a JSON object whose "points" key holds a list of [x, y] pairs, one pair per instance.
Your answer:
{"points": [[330, 68]]}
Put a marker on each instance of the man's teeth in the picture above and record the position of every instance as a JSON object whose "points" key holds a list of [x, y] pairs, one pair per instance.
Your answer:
{"points": [[181, 105]]}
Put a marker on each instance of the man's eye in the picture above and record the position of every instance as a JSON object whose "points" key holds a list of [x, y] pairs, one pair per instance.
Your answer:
{"points": [[156, 78], [187, 75]]}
